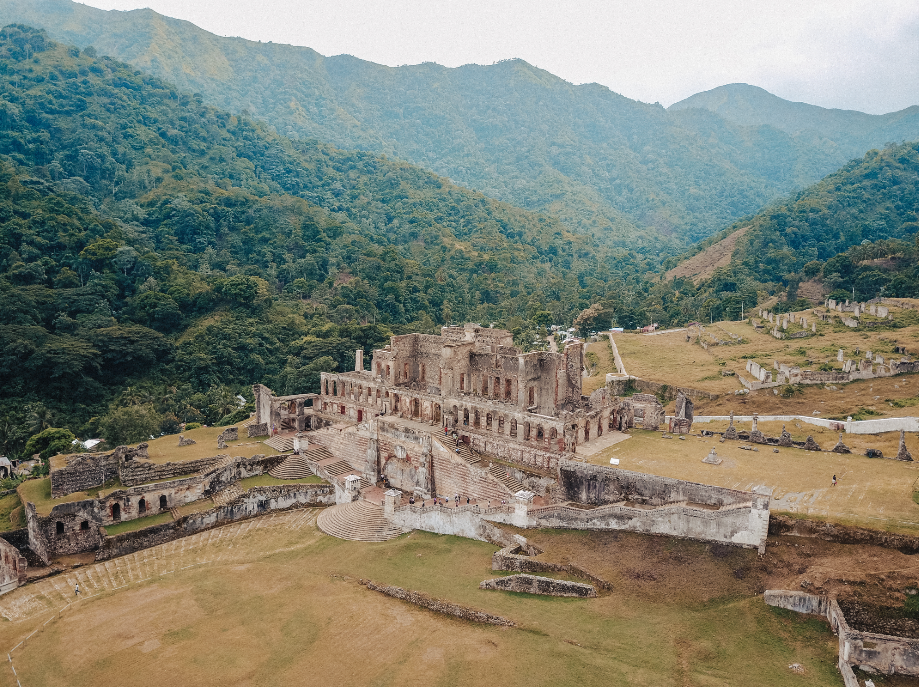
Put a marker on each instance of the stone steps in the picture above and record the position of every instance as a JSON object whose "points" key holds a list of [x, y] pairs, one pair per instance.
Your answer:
{"points": [[500, 474], [280, 444], [224, 496], [294, 467], [467, 454], [342, 468], [357, 521], [316, 453], [175, 513], [246, 423]]}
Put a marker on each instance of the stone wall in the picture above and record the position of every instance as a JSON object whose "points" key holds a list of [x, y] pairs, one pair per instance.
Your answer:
{"points": [[618, 385], [598, 485], [800, 602], [256, 501], [465, 521], [546, 586], [134, 472], [12, 567], [36, 539], [513, 559], [438, 605], [83, 471], [843, 534], [883, 653]]}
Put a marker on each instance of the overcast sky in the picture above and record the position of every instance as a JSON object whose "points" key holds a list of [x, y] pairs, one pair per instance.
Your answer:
{"points": [[854, 55]]}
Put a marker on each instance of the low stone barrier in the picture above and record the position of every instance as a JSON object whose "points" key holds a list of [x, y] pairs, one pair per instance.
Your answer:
{"points": [[438, 605], [511, 558], [546, 586]]}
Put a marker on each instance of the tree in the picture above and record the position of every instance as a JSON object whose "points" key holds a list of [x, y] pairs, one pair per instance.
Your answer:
{"points": [[40, 418], [50, 442], [128, 425]]}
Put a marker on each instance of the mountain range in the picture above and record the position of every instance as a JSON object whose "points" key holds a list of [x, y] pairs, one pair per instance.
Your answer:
{"points": [[629, 173]]}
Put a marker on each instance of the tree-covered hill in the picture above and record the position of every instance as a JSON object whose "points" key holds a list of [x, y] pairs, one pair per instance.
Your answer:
{"points": [[630, 173], [158, 253], [855, 229]]}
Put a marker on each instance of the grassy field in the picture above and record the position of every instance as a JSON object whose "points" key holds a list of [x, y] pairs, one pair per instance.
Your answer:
{"points": [[166, 449], [670, 359], [282, 605], [871, 492], [267, 480], [38, 491], [12, 516], [138, 524]]}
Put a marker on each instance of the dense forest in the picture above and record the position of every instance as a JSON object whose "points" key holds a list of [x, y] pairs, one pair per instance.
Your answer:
{"points": [[630, 173], [159, 255], [855, 232]]}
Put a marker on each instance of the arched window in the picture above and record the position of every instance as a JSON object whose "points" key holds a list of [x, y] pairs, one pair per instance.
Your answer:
{"points": [[462, 382], [514, 428], [507, 389], [539, 434], [488, 421], [142, 506], [466, 416], [532, 396]]}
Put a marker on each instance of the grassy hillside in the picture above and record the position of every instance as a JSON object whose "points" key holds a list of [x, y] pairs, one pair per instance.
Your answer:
{"points": [[631, 173], [157, 248]]}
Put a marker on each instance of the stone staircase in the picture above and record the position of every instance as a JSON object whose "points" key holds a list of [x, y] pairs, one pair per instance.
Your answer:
{"points": [[467, 453], [315, 453], [294, 467], [224, 496], [280, 444], [500, 474], [174, 512], [249, 421], [357, 521]]}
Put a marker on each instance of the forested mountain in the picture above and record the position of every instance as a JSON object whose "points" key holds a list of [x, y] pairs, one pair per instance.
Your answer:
{"points": [[631, 173], [855, 229], [150, 241], [753, 106]]}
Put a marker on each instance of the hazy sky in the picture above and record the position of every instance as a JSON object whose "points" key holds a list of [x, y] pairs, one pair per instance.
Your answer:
{"points": [[855, 55]]}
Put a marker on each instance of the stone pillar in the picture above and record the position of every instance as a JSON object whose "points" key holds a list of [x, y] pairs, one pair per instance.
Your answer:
{"points": [[522, 501], [297, 443], [839, 356], [391, 499], [359, 360]]}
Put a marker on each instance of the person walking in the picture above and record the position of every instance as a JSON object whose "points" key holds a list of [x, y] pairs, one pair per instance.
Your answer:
{"points": [[834, 480], [76, 589]]}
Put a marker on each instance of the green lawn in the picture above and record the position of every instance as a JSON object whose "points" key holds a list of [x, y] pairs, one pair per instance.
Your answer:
{"points": [[138, 524], [38, 492], [10, 520], [267, 480]]}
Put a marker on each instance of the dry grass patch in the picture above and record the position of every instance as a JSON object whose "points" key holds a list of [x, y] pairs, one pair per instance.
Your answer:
{"points": [[167, 450], [872, 492], [288, 609]]}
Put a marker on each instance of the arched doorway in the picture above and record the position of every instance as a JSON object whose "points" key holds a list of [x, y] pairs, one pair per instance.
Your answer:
{"points": [[142, 506], [163, 505], [437, 412], [116, 512]]}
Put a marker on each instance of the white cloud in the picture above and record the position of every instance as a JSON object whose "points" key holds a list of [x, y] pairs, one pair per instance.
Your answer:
{"points": [[837, 53]]}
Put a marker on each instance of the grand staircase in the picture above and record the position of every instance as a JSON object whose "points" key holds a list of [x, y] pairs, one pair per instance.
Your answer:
{"points": [[500, 474], [467, 453], [294, 467], [357, 521]]}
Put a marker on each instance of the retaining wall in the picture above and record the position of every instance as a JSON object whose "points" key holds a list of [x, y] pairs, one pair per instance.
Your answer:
{"points": [[883, 653], [134, 472], [256, 501]]}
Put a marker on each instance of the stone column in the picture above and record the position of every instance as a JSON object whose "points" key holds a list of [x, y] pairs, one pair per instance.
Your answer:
{"points": [[359, 360]]}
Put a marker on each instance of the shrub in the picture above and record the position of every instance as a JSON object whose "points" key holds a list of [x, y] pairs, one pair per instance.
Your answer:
{"points": [[50, 442], [130, 424], [193, 425]]}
